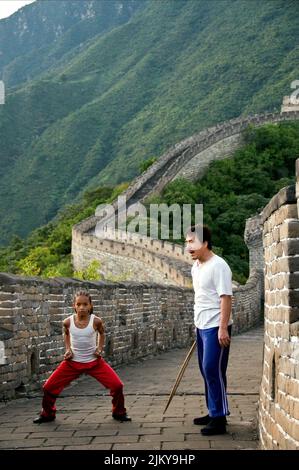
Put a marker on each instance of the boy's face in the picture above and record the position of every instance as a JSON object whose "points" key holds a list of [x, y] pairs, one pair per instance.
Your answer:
{"points": [[82, 304], [195, 247]]}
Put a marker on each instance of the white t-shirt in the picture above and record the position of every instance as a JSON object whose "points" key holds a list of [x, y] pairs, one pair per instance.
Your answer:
{"points": [[211, 279]]}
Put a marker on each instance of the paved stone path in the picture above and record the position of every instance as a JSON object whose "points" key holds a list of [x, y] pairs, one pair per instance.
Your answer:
{"points": [[84, 418]]}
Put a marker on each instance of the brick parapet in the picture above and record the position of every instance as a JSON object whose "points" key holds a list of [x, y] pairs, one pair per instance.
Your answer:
{"points": [[278, 406], [140, 319]]}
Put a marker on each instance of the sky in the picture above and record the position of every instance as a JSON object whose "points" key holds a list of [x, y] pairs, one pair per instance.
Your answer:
{"points": [[8, 7]]}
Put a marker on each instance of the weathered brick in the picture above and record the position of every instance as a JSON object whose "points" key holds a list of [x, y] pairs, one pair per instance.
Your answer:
{"points": [[267, 240], [271, 222], [289, 229], [281, 382], [294, 431], [282, 419], [288, 211], [294, 329], [270, 313], [292, 387], [265, 228], [276, 234], [270, 329], [291, 445], [290, 298], [279, 298], [281, 281], [284, 403], [290, 247], [291, 280], [267, 256], [280, 331], [290, 264], [296, 411]]}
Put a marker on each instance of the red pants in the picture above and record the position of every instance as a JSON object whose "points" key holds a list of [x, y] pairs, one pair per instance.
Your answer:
{"points": [[69, 370]]}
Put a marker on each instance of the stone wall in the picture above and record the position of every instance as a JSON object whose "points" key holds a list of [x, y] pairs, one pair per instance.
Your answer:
{"points": [[279, 402], [198, 165], [118, 268], [288, 105], [248, 298], [140, 319], [134, 252], [253, 237]]}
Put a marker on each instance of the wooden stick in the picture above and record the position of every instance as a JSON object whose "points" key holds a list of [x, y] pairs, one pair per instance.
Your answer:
{"points": [[180, 375]]}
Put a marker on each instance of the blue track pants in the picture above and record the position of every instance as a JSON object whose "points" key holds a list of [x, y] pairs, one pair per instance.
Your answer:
{"points": [[213, 359]]}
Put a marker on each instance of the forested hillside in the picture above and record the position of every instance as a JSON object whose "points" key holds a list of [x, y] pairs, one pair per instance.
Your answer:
{"points": [[129, 92]]}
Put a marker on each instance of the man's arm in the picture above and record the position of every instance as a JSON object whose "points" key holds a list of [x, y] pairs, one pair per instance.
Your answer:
{"points": [[101, 336], [67, 339], [225, 311]]}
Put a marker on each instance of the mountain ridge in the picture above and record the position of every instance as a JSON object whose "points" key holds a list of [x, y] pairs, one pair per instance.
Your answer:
{"points": [[172, 70]]}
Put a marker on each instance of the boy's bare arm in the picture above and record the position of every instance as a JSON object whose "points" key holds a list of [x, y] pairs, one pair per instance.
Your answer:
{"points": [[101, 336], [67, 339]]}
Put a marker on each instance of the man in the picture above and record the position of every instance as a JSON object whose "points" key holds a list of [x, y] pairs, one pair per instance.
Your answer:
{"points": [[212, 283]]}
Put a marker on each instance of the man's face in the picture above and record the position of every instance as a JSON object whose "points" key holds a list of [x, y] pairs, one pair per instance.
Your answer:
{"points": [[195, 247]]}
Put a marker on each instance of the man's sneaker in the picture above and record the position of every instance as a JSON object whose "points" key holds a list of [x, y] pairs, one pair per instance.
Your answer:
{"points": [[215, 426], [43, 419], [121, 418], [202, 420]]}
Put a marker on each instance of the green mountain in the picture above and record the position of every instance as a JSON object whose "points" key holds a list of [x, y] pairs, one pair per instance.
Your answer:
{"points": [[128, 94], [49, 32]]}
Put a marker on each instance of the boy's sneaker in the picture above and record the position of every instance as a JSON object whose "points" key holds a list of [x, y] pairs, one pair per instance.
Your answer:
{"points": [[43, 419], [121, 418]]}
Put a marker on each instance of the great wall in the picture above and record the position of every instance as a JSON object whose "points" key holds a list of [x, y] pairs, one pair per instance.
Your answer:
{"points": [[146, 317]]}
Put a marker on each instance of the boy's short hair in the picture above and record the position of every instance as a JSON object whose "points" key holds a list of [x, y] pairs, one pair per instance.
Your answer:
{"points": [[202, 233]]}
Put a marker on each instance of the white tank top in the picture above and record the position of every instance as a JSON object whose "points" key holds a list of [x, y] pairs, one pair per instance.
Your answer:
{"points": [[83, 341]]}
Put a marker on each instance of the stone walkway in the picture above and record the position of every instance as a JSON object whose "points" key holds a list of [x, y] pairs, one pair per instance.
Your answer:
{"points": [[84, 419]]}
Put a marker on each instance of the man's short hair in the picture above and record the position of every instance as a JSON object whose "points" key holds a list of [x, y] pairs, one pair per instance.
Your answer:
{"points": [[202, 233]]}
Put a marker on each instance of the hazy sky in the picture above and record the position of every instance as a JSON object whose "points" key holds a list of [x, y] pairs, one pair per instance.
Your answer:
{"points": [[8, 7]]}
